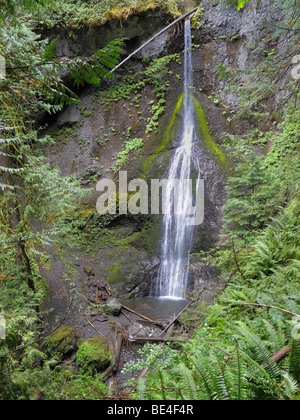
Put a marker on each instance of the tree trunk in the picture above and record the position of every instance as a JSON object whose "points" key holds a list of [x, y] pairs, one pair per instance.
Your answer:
{"points": [[22, 259]]}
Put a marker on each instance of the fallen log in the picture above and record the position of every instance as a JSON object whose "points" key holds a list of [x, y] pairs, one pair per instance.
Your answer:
{"points": [[281, 354], [114, 340], [158, 339], [147, 339]]}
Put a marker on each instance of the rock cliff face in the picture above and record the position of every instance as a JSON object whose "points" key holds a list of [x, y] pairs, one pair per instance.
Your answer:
{"points": [[142, 102]]}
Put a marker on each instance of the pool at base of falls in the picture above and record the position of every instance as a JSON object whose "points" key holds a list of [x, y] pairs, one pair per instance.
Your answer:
{"points": [[155, 308]]}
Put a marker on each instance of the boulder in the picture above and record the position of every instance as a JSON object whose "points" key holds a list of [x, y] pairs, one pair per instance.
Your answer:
{"points": [[93, 356], [112, 307], [136, 329], [62, 342]]}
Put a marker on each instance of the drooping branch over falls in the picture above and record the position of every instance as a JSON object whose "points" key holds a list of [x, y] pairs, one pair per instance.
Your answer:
{"points": [[154, 37]]}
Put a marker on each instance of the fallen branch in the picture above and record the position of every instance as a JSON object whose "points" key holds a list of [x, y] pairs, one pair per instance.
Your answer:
{"points": [[154, 37], [93, 326], [173, 320], [269, 306], [136, 313], [281, 354], [126, 316], [148, 339]]}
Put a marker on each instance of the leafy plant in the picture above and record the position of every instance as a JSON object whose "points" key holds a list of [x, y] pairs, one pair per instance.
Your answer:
{"points": [[130, 146]]}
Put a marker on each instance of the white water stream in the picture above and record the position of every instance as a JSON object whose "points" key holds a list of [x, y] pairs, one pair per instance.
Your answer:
{"points": [[177, 227]]}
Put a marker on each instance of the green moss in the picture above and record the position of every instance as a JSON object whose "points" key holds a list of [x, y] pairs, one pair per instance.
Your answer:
{"points": [[168, 134], [130, 146], [206, 137], [62, 341], [197, 21], [93, 356], [114, 270], [203, 132], [148, 238]]}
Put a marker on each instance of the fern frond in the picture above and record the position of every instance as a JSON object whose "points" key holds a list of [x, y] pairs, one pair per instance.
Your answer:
{"points": [[92, 69], [188, 381], [33, 355], [262, 384], [241, 380], [141, 387], [294, 360], [221, 377], [276, 338], [260, 350], [203, 370], [290, 385]]}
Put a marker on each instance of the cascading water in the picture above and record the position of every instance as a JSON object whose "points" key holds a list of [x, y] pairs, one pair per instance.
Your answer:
{"points": [[177, 228]]}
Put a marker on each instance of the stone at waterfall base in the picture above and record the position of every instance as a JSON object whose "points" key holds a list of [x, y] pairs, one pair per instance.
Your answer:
{"points": [[112, 307]]}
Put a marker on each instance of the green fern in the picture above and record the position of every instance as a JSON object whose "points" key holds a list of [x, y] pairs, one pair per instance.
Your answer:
{"points": [[260, 351], [290, 385], [276, 338], [261, 384], [34, 355], [294, 360], [204, 374], [92, 69], [141, 386], [189, 384]]}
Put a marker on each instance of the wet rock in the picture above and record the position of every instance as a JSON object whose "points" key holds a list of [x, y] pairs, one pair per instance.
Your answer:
{"points": [[113, 307], [139, 330], [95, 294], [102, 318], [136, 30], [156, 47]]}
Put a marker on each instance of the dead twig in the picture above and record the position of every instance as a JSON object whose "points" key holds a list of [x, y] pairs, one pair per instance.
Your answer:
{"points": [[93, 326], [175, 319], [268, 306], [126, 316]]}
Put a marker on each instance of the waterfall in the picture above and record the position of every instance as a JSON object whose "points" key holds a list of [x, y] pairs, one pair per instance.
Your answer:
{"points": [[177, 232]]}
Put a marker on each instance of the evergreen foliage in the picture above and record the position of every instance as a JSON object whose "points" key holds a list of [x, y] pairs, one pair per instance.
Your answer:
{"points": [[75, 14], [232, 354], [35, 198], [231, 348]]}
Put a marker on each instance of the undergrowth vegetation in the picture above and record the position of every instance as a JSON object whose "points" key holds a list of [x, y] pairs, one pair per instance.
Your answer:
{"points": [[74, 14], [245, 346]]}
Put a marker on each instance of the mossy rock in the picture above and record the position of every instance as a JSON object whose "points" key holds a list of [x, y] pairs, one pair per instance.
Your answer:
{"points": [[113, 307], [89, 271], [61, 342], [93, 356]]}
